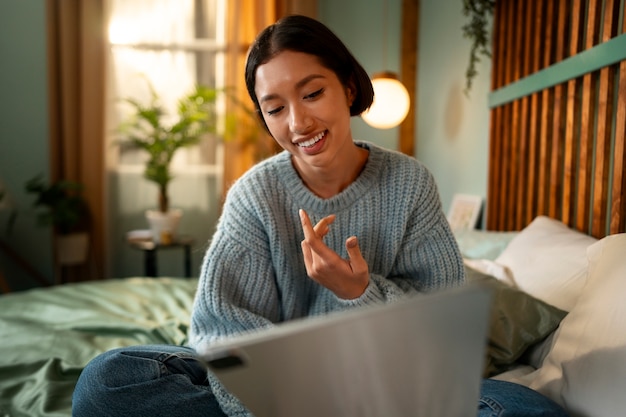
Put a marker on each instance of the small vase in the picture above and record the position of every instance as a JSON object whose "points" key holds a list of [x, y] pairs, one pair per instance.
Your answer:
{"points": [[163, 226], [72, 249]]}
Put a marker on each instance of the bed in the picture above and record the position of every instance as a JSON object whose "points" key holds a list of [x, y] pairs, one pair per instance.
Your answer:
{"points": [[559, 315], [47, 335], [558, 321]]}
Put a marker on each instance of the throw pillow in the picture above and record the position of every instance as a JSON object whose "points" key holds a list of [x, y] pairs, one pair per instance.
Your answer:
{"points": [[585, 369], [517, 322], [548, 261]]}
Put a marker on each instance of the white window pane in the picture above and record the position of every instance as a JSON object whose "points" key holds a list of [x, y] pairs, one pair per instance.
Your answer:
{"points": [[163, 21], [154, 43]]}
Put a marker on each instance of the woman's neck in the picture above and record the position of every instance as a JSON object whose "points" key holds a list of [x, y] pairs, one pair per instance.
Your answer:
{"points": [[329, 181]]}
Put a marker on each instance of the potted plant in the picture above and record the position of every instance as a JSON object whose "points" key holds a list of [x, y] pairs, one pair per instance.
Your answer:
{"points": [[147, 129], [64, 209]]}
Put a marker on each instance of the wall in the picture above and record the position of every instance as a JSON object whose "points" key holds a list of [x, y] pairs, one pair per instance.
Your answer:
{"points": [[23, 133], [363, 33], [452, 128]]}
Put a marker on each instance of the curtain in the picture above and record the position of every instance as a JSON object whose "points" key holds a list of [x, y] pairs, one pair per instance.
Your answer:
{"points": [[76, 67], [246, 19]]}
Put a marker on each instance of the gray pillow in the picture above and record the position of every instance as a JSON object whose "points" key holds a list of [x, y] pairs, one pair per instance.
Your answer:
{"points": [[518, 321]]}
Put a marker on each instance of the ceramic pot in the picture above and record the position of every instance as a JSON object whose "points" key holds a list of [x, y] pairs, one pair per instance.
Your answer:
{"points": [[164, 226], [72, 249]]}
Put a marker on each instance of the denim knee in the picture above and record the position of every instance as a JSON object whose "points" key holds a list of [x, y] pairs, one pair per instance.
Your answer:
{"points": [[506, 399], [144, 380]]}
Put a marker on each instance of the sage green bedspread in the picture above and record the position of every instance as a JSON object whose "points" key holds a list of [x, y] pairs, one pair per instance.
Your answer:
{"points": [[47, 335]]}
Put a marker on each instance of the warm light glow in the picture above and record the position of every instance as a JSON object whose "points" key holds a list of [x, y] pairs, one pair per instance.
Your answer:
{"points": [[122, 31], [391, 102]]}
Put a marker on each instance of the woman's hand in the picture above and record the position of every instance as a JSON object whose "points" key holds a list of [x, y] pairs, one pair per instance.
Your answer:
{"points": [[347, 278]]}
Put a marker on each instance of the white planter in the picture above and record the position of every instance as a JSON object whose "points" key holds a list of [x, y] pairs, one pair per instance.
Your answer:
{"points": [[164, 226], [72, 249]]}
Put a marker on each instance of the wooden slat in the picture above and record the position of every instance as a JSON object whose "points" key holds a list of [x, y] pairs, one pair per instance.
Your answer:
{"points": [[556, 154], [546, 117], [603, 129], [618, 200], [513, 160], [494, 179], [526, 10], [535, 120], [504, 167], [571, 124], [588, 111]]}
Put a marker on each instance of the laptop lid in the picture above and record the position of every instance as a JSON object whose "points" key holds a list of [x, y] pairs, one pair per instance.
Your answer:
{"points": [[422, 356]]}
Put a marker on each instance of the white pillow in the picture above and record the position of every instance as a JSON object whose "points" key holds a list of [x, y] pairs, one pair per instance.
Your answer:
{"points": [[548, 261], [487, 267], [586, 369]]}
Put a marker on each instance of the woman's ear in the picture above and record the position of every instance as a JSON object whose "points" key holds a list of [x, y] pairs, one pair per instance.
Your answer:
{"points": [[350, 97], [350, 94]]}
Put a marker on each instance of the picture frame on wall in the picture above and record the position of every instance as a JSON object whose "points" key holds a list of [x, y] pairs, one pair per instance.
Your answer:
{"points": [[464, 211]]}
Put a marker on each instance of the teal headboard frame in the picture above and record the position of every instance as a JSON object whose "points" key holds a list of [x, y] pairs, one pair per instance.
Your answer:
{"points": [[600, 56]]}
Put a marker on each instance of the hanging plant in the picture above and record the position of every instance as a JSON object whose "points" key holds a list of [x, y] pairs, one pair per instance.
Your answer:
{"points": [[479, 12]]}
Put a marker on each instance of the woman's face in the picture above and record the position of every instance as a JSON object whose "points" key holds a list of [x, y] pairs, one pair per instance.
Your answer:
{"points": [[305, 107]]}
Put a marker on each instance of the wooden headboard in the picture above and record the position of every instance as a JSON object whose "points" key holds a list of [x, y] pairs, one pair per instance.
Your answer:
{"points": [[558, 115]]}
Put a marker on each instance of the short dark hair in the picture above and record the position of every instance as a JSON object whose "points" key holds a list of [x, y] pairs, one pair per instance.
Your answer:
{"points": [[304, 34]]}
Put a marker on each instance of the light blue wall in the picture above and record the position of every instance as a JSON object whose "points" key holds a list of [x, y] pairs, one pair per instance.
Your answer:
{"points": [[452, 129], [23, 133]]}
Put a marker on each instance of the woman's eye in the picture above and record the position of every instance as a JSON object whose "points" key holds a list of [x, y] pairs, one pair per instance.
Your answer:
{"points": [[314, 94], [274, 111]]}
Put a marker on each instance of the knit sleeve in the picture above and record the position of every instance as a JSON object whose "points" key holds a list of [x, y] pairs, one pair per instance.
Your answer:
{"points": [[237, 289]]}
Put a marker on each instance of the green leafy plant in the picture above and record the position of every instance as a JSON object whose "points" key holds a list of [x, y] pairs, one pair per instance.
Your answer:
{"points": [[147, 129], [63, 204], [477, 30]]}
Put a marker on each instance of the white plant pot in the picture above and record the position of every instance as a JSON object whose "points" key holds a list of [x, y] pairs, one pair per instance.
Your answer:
{"points": [[72, 249], [164, 226]]}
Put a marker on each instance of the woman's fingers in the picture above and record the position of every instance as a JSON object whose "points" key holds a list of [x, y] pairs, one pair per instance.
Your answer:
{"points": [[322, 227], [357, 262], [347, 278]]}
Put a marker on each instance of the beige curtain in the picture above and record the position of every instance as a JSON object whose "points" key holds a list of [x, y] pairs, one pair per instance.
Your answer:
{"points": [[76, 50], [246, 19]]}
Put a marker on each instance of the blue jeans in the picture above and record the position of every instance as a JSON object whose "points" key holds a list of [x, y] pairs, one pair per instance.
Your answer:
{"points": [[170, 381]]}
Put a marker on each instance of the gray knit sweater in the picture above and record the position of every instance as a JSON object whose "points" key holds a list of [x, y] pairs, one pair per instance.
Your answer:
{"points": [[253, 274]]}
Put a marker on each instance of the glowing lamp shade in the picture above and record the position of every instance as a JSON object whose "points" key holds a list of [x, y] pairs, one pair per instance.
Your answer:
{"points": [[391, 102]]}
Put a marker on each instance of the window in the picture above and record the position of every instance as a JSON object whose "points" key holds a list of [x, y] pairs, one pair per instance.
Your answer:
{"points": [[170, 45]]}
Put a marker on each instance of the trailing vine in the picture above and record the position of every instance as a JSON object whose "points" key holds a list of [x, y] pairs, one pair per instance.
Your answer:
{"points": [[480, 12]]}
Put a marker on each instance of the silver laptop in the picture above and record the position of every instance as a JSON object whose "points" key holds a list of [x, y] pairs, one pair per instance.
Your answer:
{"points": [[422, 356]]}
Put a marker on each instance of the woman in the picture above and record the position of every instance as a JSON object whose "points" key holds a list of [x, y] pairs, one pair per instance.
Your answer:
{"points": [[328, 224]]}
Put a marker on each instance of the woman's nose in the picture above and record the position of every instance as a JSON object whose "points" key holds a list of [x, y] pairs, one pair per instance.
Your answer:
{"points": [[300, 121]]}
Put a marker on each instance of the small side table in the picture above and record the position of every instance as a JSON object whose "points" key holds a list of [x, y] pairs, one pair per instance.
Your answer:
{"points": [[150, 249]]}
